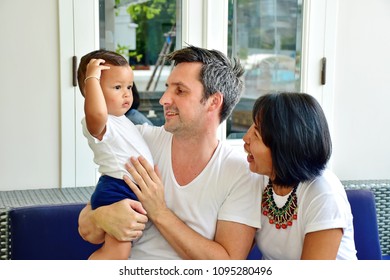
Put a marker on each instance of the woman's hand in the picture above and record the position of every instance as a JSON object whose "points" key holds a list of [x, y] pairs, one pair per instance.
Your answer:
{"points": [[150, 189]]}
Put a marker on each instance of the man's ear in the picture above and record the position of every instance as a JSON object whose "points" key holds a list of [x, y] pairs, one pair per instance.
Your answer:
{"points": [[216, 101]]}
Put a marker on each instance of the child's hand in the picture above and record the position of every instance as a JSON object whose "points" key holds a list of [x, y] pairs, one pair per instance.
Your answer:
{"points": [[95, 67]]}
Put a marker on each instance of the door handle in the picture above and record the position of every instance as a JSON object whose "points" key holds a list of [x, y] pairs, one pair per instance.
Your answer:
{"points": [[74, 69], [323, 71]]}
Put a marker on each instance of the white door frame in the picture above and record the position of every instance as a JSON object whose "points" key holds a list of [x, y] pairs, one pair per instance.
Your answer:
{"points": [[79, 34]]}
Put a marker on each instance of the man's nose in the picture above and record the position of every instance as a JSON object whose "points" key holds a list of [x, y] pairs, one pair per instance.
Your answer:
{"points": [[165, 98]]}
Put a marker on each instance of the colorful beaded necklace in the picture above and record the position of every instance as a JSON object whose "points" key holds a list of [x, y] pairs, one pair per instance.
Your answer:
{"points": [[281, 217]]}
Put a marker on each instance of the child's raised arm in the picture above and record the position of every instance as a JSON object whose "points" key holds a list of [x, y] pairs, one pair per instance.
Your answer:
{"points": [[95, 107]]}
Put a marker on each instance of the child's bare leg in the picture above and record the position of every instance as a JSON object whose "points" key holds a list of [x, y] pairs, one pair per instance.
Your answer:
{"points": [[112, 249]]}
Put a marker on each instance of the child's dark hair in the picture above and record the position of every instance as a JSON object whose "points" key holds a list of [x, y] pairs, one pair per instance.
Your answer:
{"points": [[110, 58]]}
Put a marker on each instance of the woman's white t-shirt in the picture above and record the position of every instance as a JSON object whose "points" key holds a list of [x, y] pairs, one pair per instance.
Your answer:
{"points": [[322, 204]]}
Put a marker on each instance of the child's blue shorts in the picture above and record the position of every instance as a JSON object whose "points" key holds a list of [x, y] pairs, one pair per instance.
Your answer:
{"points": [[110, 190]]}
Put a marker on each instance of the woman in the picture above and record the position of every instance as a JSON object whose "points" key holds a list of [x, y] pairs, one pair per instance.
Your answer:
{"points": [[133, 114], [305, 211]]}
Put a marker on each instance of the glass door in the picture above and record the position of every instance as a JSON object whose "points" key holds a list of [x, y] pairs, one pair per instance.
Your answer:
{"points": [[266, 36], [272, 38], [143, 31]]}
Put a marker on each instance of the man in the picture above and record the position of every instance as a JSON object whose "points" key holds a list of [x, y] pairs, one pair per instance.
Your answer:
{"points": [[209, 206]]}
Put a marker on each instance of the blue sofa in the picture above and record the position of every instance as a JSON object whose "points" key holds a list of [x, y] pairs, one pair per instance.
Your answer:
{"points": [[47, 232]]}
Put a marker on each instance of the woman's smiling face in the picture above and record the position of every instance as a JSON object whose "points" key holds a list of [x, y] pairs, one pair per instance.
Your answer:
{"points": [[259, 155]]}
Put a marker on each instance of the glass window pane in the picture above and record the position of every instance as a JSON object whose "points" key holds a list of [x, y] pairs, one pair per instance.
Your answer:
{"points": [[143, 31], [266, 36]]}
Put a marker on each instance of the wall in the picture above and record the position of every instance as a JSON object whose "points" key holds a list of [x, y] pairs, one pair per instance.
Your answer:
{"points": [[362, 91], [29, 98]]}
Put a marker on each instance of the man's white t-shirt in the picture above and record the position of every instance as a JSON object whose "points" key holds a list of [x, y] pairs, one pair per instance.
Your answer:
{"points": [[224, 190]]}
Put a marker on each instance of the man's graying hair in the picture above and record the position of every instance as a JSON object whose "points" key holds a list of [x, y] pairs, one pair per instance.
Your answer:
{"points": [[218, 74]]}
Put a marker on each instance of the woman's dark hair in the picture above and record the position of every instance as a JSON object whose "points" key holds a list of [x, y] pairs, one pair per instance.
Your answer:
{"points": [[294, 127], [136, 101]]}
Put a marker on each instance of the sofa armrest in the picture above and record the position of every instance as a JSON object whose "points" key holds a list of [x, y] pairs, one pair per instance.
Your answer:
{"points": [[47, 232]]}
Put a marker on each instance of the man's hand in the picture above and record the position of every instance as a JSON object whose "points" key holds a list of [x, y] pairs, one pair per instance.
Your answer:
{"points": [[125, 220], [149, 188]]}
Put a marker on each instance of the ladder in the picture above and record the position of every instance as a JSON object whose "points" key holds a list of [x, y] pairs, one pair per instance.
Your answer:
{"points": [[161, 58]]}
